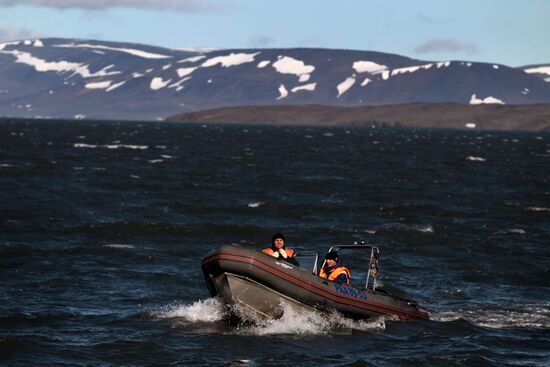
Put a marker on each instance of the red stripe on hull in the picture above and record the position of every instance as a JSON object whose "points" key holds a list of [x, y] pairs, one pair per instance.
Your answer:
{"points": [[303, 283]]}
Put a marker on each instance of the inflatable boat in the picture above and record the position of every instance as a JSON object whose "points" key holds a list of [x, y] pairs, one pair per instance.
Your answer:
{"points": [[261, 286]]}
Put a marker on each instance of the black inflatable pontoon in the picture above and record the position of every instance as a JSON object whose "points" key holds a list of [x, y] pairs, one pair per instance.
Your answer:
{"points": [[262, 284]]}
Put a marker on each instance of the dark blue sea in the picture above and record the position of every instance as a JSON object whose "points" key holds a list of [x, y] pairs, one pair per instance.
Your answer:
{"points": [[103, 226]]}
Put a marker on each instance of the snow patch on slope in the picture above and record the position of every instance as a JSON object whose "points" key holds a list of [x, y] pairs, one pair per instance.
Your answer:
{"points": [[410, 69], [368, 67], [304, 78], [192, 59], [365, 82], [157, 83], [185, 71], [115, 86], [309, 87], [282, 91], [131, 51], [58, 66], [3, 45], [289, 65], [104, 72], [538, 70], [179, 84], [487, 100], [345, 85], [263, 64], [385, 73], [230, 60], [98, 85]]}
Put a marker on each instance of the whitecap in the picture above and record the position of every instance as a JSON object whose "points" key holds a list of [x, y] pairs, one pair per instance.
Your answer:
{"points": [[476, 159], [255, 204], [155, 161], [119, 246], [110, 146], [537, 209], [515, 230], [422, 228], [127, 146], [311, 322], [82, 145], [208, 310]]}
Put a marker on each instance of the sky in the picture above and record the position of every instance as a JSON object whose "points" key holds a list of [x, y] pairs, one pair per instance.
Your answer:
{"points": [[509, 32]]}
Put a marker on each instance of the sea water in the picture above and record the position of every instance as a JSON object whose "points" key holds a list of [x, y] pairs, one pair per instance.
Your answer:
{"points": [[104, 225]]}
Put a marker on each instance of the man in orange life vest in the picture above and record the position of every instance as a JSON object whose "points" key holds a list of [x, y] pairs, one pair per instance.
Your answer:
{"points": [[278, 248], [334, 272]]}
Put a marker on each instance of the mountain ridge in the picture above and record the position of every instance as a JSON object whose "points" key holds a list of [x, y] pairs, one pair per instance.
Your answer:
{"points": [[82, 78]]}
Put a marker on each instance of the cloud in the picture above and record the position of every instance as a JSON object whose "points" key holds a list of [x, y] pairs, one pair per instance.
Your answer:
{"points": [[446, 45], [261, 41], [428, 19], [186, 6], [14, 34]]}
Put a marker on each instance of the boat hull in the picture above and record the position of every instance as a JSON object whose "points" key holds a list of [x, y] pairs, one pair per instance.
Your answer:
{"points": [[263, 284], [254, 300]]}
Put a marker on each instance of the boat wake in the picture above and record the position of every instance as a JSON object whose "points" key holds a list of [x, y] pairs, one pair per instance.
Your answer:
{"points": [[533, 316], [292, 322], [208, 310]]}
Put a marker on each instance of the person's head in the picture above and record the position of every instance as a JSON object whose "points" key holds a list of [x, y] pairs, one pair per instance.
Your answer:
{"points": [[278, 240], [331, 258]]}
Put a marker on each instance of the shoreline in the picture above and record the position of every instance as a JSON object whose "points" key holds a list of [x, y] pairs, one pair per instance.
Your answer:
{"points": [[415, 115]]}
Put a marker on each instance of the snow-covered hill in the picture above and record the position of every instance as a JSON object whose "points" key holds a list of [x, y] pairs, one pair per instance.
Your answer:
{"points": [[74, 78]]}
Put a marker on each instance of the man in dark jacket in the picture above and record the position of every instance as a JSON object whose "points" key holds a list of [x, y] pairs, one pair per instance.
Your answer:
{"points": [[334, 272]]}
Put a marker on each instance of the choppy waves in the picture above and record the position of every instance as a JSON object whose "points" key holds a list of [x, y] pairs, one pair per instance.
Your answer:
{"points": [[518, 315], [103, 227]]}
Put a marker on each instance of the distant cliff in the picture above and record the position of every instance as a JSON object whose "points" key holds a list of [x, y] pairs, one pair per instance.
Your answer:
{"points": [[454, 116]]}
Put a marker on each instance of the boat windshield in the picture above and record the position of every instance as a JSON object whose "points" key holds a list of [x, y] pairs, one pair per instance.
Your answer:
{"points": [[308, 260]]}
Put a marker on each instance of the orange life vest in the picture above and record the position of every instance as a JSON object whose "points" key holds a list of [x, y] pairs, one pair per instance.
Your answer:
{"points": [[269, 251], [335, 273]]}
